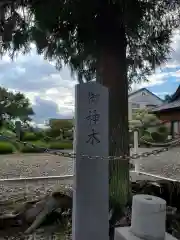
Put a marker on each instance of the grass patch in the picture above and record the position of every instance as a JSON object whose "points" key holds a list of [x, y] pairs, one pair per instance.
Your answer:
{"points": [[6, 148], [61, 145]]}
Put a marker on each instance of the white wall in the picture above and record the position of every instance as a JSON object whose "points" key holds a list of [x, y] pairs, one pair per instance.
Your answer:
{"points": [[142, 98]]}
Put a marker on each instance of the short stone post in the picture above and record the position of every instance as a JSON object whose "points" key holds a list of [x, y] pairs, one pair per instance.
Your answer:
{"points": [[90, 200], [147, 221], [18, 129], [136, 147]]}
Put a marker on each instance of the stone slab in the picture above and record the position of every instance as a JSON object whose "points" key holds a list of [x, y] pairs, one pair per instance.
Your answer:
{"points": [[123, 233]]}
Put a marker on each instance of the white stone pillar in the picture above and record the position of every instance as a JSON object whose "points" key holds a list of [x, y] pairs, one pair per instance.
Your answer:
{"points": [[147, 221], [136, 147], [90, 200]]}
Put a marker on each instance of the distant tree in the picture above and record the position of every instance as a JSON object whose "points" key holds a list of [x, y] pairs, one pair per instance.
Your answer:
{"points": [[168, 98], [60, 127], [13, 106]]}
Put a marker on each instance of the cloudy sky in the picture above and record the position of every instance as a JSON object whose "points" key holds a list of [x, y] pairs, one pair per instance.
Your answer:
{"points": [[52, 92]]}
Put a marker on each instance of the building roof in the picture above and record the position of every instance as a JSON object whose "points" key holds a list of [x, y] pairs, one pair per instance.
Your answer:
{"points": [[176, 95], [173, 104], [145, 89], [167, 106]]}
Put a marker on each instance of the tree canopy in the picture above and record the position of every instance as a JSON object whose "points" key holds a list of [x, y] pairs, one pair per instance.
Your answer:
{"points": [[14, 105], [168, 98], [75, 31]]}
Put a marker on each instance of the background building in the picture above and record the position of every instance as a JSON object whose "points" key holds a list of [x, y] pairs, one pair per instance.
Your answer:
{"points": [[142, 98]]}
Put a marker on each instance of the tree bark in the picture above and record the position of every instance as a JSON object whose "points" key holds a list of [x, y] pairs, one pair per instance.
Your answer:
{"points": [[112, 73], [172, 129]]}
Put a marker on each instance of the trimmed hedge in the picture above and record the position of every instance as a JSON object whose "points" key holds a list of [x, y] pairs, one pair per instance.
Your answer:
{"points": [[37, 149], [27, 149], [159, 137], [61, 145], [29, 136], [6, 148]]}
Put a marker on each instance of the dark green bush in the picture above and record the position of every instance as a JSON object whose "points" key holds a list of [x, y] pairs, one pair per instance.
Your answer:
{"points": [[146, 138], [28, 149], [159, 137], [163, 129], [29, 136], [38, 149], [6, 147], [61, 145], [39, 135]]}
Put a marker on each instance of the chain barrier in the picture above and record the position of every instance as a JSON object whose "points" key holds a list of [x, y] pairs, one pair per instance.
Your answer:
{"points": [[164, 147]]}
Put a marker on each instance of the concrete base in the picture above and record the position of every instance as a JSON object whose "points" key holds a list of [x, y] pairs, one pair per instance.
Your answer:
{"points": [[123, 233]]}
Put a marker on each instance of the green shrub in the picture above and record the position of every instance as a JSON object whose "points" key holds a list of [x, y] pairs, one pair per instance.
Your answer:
{"points": [[28, 149], [159, 137], [61, 145], [39, 135], [146, 138], [163, 129], [37, 149], [29, 136], [6, 147]]}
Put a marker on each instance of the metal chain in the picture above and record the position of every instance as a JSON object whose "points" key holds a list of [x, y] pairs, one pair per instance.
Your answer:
{"points": [[73, 155]]}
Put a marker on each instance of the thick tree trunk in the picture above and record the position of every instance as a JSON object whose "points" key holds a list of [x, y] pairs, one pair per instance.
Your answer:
{"points": [[112, 73]]}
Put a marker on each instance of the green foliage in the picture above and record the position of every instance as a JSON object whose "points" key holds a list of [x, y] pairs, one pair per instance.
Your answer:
{"points": [[53, 133], [39, 147], [61, 145], [27, 149], [40, 135], [29, 136], [13, 105], [163, 130], [147, 138], [145, 118], [74, 32], [6, 148], [167, 98], [60, 128], [159, 137], [61, 124]]}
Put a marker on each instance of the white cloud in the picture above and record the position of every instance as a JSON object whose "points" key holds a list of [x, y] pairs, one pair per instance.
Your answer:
{"points": [[157, 78], [52, 92]]}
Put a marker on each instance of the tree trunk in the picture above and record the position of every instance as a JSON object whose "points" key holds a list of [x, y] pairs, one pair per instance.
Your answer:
{"points": [[112, 73], [172, 129]]}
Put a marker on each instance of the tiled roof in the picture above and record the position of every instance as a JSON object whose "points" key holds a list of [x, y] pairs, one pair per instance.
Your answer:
{"points": [[167, 106]]}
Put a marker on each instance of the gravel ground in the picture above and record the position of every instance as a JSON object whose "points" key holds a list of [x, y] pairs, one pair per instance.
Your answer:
{"points": [[166, 164], [31, 165]]}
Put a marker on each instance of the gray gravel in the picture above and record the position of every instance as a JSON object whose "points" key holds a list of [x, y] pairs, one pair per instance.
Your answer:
{"points": [[31, 165], [166, 164]]}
